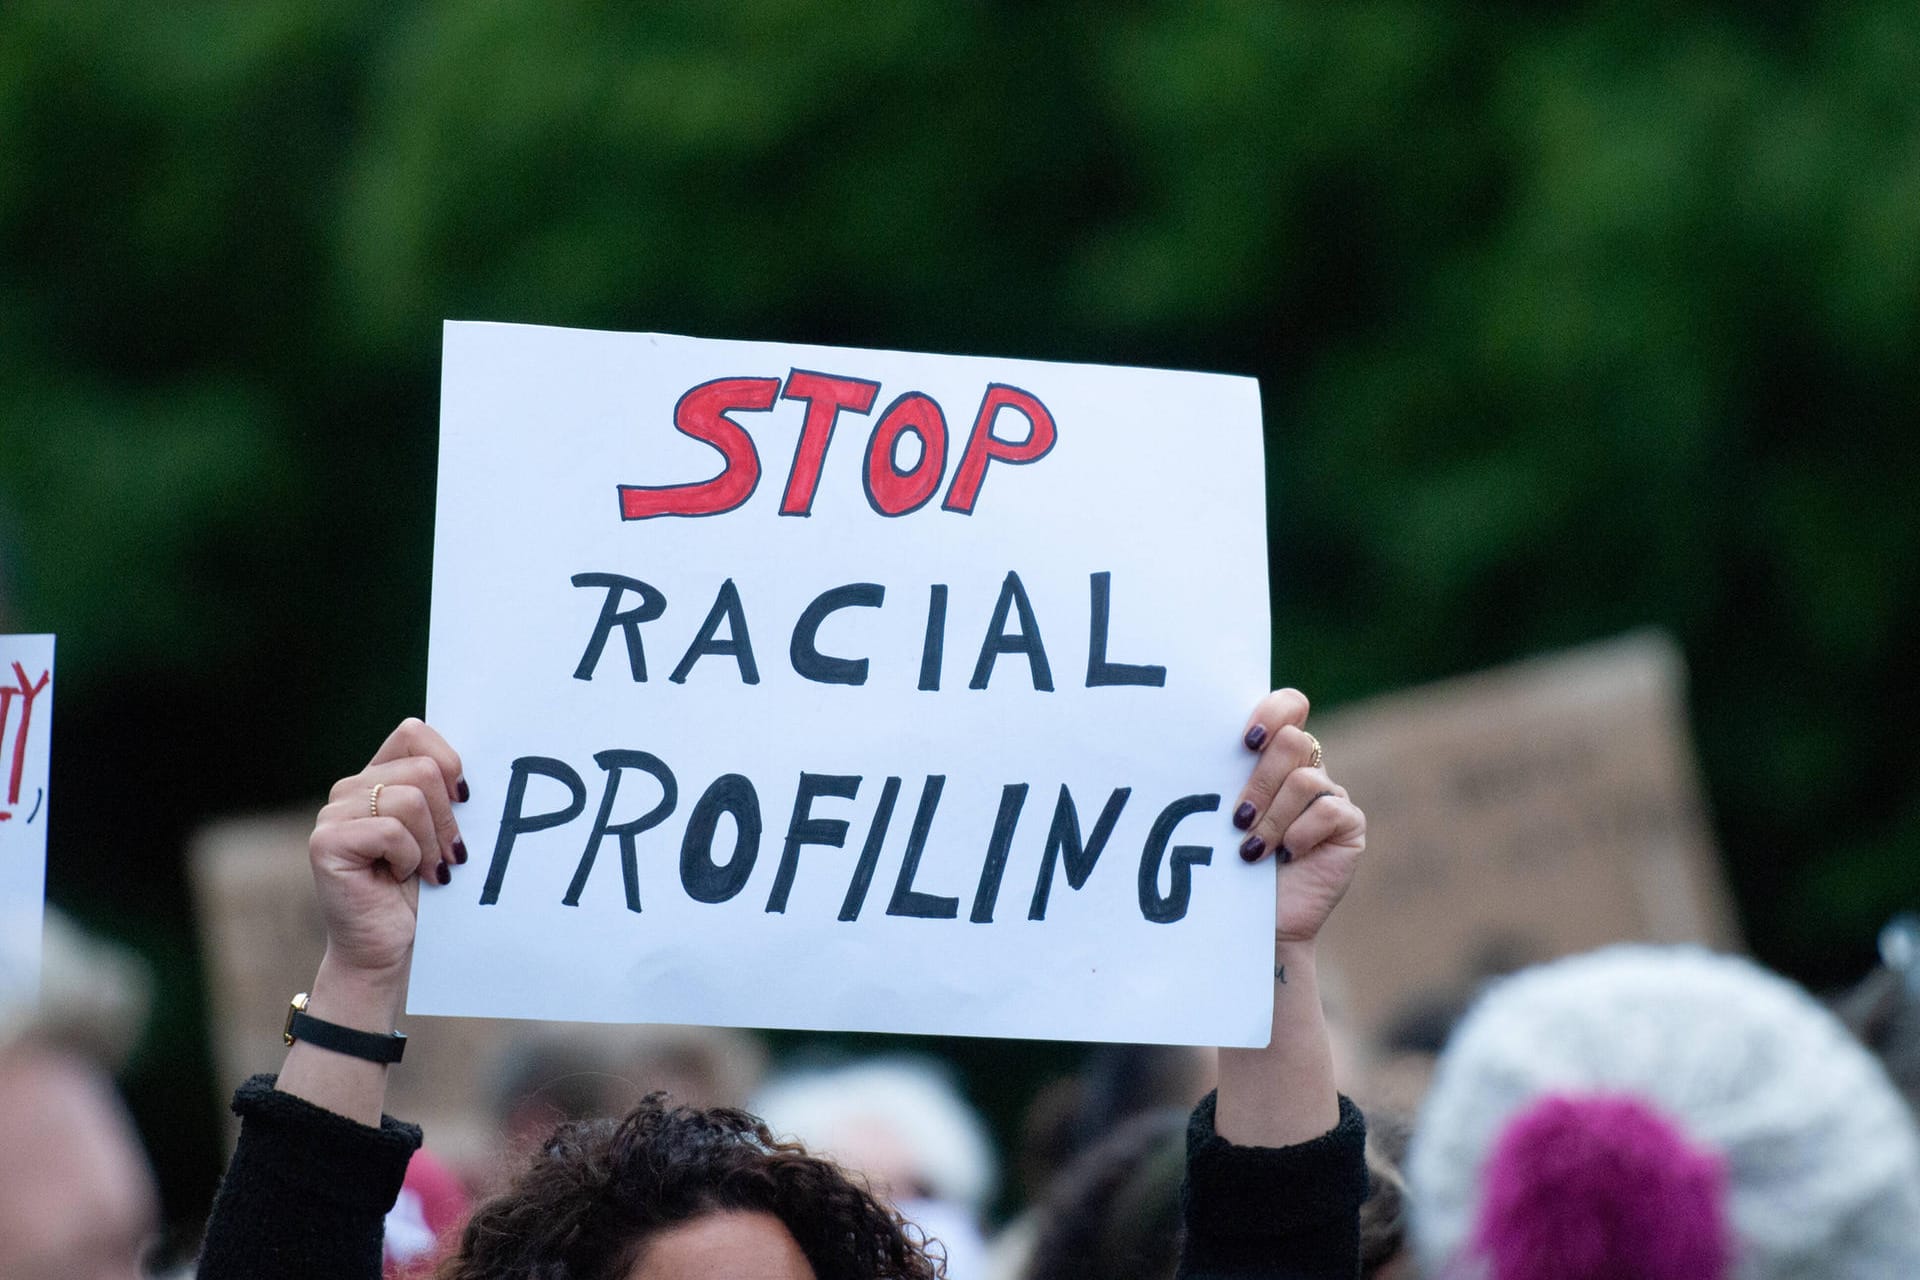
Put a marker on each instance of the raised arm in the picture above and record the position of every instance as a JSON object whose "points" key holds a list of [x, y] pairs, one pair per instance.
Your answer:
{"points": [[1276, 1165], [1293, 811], [371, 851], [318, 1166]]}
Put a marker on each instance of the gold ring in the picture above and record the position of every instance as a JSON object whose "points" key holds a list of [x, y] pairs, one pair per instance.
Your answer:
{"points": [[373, 798], [1313, 761]]}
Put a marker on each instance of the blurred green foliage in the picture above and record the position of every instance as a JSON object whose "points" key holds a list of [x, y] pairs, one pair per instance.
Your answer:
{"points": [[1568, 318]]}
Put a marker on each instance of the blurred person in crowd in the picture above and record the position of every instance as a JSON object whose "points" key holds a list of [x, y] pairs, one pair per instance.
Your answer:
{"points": [[77, 1196], [1275, 1168], [1667, 1114], [1385, 1246], [1115, 1213], [902, 1124], [424, 1224], [1071, 1115], [548, 1077], [1115, 1082], [1070, 1161], [1884, 1009], [1400, 1061]]}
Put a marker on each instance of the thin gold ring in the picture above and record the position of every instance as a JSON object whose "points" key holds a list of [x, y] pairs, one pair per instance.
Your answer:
{"points": [[1313, 761], [373, 798]]}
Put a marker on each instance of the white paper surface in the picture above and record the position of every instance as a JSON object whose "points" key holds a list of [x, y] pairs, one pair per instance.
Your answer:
{"points": [[1155, 479], [26, 734]]}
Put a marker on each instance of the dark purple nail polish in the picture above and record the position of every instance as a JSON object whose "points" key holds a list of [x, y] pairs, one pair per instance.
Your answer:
{"points": [[460, 852], [1256, 737], [442, 874], [1284, 854], [461, 793], [1243, 816], [1252, 847]]}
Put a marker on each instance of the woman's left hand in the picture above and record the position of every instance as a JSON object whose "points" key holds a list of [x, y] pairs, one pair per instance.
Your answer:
{"points": [[1292, 810]]}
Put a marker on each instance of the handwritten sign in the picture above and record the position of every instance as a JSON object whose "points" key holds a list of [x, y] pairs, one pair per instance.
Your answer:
{"points": [[26, 732], [857, 690]]}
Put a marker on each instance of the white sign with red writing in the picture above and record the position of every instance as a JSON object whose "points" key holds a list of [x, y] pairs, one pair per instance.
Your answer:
{"points": [[856, 690], [26, 732]]}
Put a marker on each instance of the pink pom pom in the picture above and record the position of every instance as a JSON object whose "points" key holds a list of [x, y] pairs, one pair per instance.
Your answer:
{"points": [[1601, 1188]]}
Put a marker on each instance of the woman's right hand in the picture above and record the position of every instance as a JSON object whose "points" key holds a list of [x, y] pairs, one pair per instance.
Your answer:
{"points": [[371, 853]]}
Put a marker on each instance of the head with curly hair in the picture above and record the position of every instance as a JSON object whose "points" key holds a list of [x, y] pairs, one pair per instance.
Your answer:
{"points": [[628, 1199]]}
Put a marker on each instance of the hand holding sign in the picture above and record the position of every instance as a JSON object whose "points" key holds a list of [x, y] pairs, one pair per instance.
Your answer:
{"points": [[1294, 809], [384, 831]]}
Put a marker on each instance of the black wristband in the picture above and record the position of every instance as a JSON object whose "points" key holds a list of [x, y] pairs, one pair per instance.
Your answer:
{"points": [[368, 1045]]}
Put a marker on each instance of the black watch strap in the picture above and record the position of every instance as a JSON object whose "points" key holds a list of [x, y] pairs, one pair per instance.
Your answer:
{"points": [[369, 1045]]}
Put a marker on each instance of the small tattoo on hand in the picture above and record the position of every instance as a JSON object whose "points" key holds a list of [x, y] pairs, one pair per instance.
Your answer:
{"points": [[1280, 974]]}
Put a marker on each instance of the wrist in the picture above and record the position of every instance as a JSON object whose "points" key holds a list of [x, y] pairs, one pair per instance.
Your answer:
{"points": [[362, 999], [1295, 956]]}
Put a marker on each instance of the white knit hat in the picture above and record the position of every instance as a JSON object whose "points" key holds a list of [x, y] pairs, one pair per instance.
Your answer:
{"points": [[1822, 1165]]}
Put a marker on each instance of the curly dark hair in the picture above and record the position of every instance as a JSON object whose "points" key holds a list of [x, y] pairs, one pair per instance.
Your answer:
{"points": [[599, 1189]]}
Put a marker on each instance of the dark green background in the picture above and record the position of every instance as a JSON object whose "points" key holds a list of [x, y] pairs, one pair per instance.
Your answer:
{"points": [[1568, 319]]}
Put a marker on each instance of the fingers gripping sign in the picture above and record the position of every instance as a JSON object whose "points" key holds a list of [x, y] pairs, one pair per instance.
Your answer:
{"points": [[1294, 809], [383, 831], [1286, 1092]]}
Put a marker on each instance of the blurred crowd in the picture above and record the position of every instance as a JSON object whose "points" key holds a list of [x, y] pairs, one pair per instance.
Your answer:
{"points": [[1722, 1117]]}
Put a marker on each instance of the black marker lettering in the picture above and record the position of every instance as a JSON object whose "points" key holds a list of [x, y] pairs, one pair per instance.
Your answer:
{"points": [[908, 901], [1026, 640], [807, 659], [1100, 672], [870, 852], [1064, 838], [1180, 860], [1012, 797], [738, 645], [703, 878], [615, 763], [652, 605], [936, 638], [805, 829], [514, 823]]}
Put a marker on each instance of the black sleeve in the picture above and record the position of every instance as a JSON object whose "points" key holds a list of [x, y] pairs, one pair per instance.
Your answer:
{"points": [[1274, 1213], [307, 1193]]}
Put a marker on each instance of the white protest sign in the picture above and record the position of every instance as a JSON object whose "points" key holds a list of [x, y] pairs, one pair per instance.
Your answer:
{"points": [[821, 688], [26, 735]]}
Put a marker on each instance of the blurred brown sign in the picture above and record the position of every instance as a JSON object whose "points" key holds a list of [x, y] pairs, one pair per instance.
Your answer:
{"points": [[1520, 814]]}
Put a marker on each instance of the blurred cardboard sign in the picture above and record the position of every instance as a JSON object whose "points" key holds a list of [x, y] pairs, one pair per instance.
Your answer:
{"points": [[1521, 814], [26, 733]]}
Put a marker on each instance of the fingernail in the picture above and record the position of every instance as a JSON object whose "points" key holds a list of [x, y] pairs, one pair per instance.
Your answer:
{"points": [[461, 793], [1256, 736], [460, 852], [1252, 848], [443, 874], [1243, 816], [1284, 854]]}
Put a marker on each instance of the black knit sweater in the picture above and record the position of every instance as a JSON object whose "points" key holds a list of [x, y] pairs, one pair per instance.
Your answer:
{"points": [[1273, 1213], [307, 1192]]}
